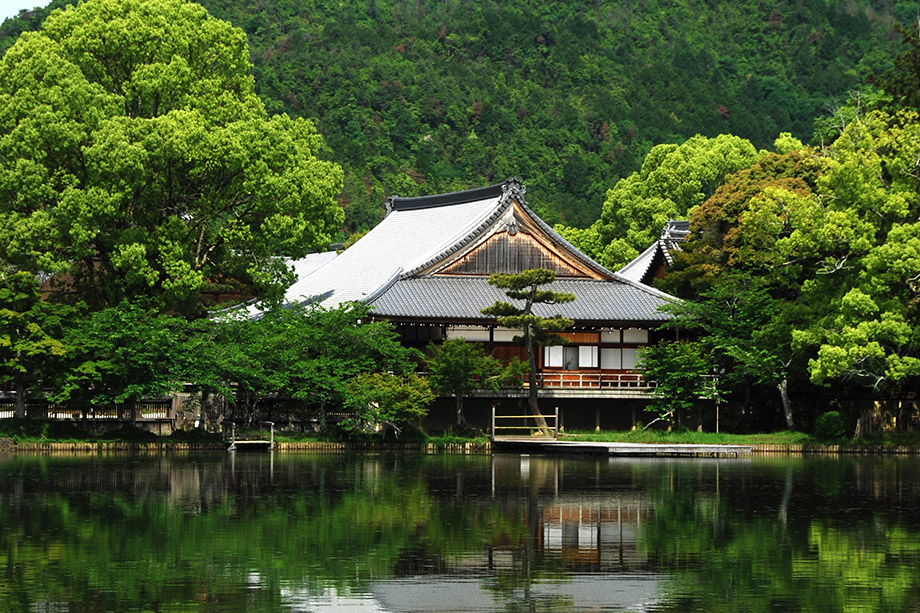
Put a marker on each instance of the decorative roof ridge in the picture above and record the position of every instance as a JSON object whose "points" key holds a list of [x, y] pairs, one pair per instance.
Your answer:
{"points": [[646, 288], [382, 289], [513, 188], [396, 203], [578, 253], [644, 260]]}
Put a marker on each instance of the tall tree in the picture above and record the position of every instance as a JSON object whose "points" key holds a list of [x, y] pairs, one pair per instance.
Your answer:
{"points": [[673, 180], [536, 330], [137, 160]]}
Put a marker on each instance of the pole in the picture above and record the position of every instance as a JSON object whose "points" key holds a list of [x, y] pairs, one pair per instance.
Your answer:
{"points": [[492, 433]]}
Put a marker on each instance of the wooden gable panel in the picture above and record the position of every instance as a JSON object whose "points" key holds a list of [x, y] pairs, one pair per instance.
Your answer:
{"points": [[507, 254]]}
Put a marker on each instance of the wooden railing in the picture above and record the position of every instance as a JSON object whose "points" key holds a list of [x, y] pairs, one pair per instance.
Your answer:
{"points": [[504, 426], [145, 409], [572, 379]]}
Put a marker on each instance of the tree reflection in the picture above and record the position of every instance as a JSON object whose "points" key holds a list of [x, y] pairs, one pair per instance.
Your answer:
{"points": [[801, 537], [111, 533]]}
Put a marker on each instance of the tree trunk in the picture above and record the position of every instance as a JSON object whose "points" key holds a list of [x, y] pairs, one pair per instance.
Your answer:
{"points": [[131, 405], [20, 399], [783, 387], [532, 379], [461, 421], [203, 411]]}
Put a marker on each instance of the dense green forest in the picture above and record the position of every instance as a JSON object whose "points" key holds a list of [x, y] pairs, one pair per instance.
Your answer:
{"points": [[148, 169], [423, 97]]}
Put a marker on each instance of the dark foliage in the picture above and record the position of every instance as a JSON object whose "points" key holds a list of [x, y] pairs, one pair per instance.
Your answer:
{"points": [[425, 97]]}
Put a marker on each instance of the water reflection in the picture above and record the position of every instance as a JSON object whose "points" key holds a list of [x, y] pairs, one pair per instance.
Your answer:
{"points": [[416, 533]]}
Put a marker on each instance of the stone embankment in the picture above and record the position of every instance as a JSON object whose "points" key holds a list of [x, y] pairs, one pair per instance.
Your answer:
{"points": [[8, 445], [835, 450]]}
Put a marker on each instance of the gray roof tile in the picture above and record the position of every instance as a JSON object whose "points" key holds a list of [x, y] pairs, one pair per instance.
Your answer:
{"points": [[462, 298]]}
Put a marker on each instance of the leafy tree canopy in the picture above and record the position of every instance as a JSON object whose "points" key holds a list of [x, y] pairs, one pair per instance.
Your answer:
{"points": [[137, 160], [673, 180], [427, 97]]}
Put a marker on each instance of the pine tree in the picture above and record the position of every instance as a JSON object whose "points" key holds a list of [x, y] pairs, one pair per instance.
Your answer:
{"points": [[536, 330]]}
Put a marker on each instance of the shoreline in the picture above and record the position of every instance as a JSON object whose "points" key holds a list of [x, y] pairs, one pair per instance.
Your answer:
{"points": [[8, 446]]}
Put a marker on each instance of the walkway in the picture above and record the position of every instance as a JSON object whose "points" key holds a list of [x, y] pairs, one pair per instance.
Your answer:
{"points": [[527, 444]]}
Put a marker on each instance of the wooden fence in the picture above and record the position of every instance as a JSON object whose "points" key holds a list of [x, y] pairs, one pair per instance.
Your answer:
{"points": [[148, 409]]}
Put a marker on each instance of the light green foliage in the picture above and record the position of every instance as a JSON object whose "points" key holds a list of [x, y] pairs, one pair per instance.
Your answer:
{"points": [[32, 345], [867, 281], [673, 180], [831, 237], [138, 160], [122, 354], [587, 239], [786, 143], [385, 399], [680, 371]]}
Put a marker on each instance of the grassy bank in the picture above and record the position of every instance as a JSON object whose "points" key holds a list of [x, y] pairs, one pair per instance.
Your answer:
{"points": [[894, 439], [35, 431]]}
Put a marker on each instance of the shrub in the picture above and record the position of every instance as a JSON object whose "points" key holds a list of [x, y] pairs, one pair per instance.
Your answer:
{"points": [[830, 425]]}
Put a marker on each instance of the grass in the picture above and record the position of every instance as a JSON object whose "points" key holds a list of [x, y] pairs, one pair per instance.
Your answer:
{"points": [[26, 430], [41, 431], [784, 437]]}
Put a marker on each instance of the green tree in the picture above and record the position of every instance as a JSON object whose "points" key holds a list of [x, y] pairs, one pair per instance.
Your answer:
{"points": [[673, 180], [32, 346], [385, 399], [123, 354], [902, 82], [536, 330], [680, 370], [744, 332], [457, 368], [137, 160], [305, 354], [868, 243], [217, 357]]}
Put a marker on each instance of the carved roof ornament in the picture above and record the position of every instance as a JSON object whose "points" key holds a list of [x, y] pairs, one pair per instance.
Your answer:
{"points": [[513, 187], [512, 227]]}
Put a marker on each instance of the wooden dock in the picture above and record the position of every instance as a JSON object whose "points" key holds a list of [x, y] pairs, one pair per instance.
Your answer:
{"points": [[540, 445], [249, 445], [252, 444]]}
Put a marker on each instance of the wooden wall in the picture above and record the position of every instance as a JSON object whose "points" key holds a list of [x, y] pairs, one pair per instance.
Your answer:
{"points": [[506, 254]]}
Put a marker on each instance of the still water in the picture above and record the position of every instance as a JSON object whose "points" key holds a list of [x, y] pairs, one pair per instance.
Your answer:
{"points": [[307, 532]]}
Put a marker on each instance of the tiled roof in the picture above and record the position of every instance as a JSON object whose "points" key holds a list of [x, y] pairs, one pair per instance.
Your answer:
{"points": [[462, 298], [382, 268], [406, 238], [672, 235], [637, 269]]}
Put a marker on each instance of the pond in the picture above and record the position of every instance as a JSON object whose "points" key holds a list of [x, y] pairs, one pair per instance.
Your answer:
{"points": [[311, 532]]}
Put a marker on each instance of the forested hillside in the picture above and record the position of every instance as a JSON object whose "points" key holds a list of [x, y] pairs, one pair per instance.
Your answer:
{"points": [[420, 97]]}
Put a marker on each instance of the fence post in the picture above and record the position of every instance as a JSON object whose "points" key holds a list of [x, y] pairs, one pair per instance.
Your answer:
{"points": [[492, 433]]}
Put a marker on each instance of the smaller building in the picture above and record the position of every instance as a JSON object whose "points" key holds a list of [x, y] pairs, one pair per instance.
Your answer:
{"points": [[652, 263]]}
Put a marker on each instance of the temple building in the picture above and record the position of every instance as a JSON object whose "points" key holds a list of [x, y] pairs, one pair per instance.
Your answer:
{"points": [[652, 263], [425, 268]]}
